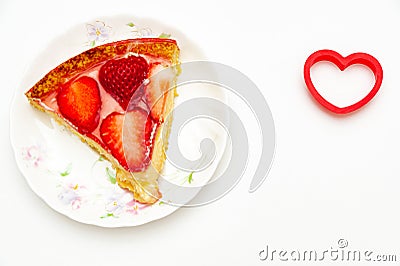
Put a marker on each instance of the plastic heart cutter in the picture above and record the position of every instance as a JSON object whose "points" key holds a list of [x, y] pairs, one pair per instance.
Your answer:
{"points": [[342, 63]]}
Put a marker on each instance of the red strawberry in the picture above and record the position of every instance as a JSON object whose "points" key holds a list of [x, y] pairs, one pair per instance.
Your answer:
{"points": [[156, 91], [79, 101], [128, 137], [122, 77]]}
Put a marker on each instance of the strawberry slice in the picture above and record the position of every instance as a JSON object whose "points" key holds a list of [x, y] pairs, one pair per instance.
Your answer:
{"points": [[122, 77], [79, 101], [128, 138], [157, 89]]}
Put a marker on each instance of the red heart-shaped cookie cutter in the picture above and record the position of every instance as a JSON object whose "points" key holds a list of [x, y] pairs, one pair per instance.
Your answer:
{"points": [[342, 63]]}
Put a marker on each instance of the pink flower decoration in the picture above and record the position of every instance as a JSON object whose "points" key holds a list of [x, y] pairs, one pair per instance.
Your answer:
{"points": [[134, 207], [33, 155]]}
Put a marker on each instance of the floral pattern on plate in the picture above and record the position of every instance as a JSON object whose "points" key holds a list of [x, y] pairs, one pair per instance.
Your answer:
{"points": [[74, 193]]}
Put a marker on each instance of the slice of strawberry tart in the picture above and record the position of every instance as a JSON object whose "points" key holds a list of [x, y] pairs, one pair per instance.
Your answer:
{"points": [[117, 98]]}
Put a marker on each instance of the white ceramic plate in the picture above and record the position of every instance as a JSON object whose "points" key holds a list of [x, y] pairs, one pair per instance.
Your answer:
{"points": [[69, 176]]}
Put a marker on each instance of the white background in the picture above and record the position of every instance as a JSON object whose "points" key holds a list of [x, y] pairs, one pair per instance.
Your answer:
{"points": [[332, 177]]}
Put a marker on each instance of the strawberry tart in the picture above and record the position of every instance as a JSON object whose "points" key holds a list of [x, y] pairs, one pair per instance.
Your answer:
{"points": [[118, 98]]}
